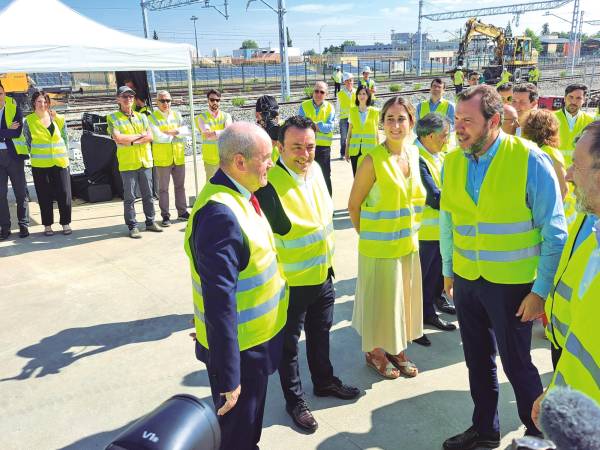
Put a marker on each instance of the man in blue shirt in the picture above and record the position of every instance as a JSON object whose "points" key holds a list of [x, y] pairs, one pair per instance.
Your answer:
{"points": [[491, 314], [437, 90]]}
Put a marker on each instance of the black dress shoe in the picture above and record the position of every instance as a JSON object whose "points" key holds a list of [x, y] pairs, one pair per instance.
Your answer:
{"points": [[23, 231], [302, 416], [444, 305], [337, 389], [423, 340], [4, 234], [471, 439], [435, 321]]}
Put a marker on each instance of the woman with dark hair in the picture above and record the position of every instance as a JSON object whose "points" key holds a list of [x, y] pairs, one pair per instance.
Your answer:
{"points": [[45, 135], [386, 204], [363, 133]]}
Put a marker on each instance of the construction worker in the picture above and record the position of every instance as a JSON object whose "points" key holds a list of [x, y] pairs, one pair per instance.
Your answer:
{"points": [[524, 99], [500, 243], [363, 131], [573, 307], [534, 75], [336, 77], [322, 113], [433, 132], [300, 210], [436, 102], [13, 152], [367, 81], [504, 77], [210, 124], [131, 132], [506, 92], [459, 79], [239, 291], [168, 152], [346, 98]]}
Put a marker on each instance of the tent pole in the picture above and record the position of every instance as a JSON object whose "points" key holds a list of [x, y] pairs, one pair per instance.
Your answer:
{"points": [[192, 115]]}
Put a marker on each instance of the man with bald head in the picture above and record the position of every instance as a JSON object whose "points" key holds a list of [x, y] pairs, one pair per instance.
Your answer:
{"points": [[510, 121], [240, 293], [321, 112]]}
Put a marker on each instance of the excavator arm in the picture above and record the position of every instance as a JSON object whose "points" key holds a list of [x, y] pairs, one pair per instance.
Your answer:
{"points": [[475, 27]]}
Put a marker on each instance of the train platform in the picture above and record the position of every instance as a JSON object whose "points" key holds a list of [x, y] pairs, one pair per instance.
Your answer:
{"points": [[94, 334]]}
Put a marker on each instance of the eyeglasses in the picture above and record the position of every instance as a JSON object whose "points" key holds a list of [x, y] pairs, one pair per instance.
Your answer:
{"points": [[164, 100], [214, 99], [317, 91]]}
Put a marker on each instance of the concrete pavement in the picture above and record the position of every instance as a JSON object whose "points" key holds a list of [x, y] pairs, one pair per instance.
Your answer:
{"points": [[94, 334]]}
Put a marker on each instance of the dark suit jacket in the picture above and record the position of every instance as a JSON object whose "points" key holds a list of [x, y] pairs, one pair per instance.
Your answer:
{"points": [[221, 252], [8, 135], [433, 192]]}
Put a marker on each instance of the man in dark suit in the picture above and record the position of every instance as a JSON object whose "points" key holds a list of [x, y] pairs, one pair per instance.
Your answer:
{"points": [[300, 210], [11, 166], [240, 294]]}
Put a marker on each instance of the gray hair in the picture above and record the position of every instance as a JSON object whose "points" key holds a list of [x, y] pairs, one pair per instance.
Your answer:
{"points": [[240, 138], [431, 123], [162, 92]]}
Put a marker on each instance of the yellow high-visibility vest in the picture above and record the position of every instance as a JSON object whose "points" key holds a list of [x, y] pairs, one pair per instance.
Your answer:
{"points": [[441, 109], [495, 238], [568, 136], [131, 157], [391, 214], [261, 293], [47, 150], [459, 78], [168, 153], [326, 109], [306, 251], [346, 101], [570, 200], [210, 148], [364, 135], [430, 227]]}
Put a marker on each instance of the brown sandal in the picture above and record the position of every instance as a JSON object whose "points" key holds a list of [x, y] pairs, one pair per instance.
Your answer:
{"points": [[406, 368], [383, 367]]}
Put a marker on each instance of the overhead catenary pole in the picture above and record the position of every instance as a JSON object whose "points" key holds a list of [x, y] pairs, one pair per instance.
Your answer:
{"points": [[146, 27], [419, 31], [194, 19], [192, 116], [573, 34]]}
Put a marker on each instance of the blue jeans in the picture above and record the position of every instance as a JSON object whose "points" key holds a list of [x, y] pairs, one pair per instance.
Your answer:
{"points": [[343, 136]]}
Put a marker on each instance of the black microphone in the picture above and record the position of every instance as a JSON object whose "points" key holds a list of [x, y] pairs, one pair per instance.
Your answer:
{"points": [[571, 420], [181, 423]]}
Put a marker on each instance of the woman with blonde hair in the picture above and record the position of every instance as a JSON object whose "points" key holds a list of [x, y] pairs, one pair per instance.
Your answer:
{"points": [[385, 206]]}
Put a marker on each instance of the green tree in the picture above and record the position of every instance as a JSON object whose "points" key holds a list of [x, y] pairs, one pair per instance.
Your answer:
{"points": [[249, 43], [535, 40], [310, 52], [348, 44], [545, 29]]}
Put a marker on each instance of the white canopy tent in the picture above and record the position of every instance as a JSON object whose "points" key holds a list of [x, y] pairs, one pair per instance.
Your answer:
{"points": [[48, 36]]}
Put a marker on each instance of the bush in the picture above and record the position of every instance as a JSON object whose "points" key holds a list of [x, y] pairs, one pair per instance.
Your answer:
{"points": [[308, 91], [418, 86], [395, 87], [238, 101], [563, 73], [247, 89]]}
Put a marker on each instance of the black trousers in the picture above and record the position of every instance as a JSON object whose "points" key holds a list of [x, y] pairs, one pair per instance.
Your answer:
{"points": [[241, 427], [311, 307], [458, 88], [431, 269], [354, 162], [323, 158], [486, 315], [336, 88], [14, 169], [53, 183]]}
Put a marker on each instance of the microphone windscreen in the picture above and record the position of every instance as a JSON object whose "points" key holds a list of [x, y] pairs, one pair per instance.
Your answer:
{"points": [[571, 420]]}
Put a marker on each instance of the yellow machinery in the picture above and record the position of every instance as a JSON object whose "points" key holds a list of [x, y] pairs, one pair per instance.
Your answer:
{"points": [[515, 53], [14, 82]]}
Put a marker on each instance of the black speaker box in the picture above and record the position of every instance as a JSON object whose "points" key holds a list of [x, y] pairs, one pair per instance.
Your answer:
{"points": [[98, 193]]}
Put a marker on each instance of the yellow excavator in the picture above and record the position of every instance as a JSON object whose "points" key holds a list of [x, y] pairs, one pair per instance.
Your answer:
{"points": [[515, 53]]}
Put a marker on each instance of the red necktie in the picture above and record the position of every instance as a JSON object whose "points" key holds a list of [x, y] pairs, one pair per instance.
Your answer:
{"points": [[255, 203]]}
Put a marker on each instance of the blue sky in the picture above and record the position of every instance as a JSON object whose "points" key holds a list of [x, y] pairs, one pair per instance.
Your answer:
{"points": [[362, 21]]}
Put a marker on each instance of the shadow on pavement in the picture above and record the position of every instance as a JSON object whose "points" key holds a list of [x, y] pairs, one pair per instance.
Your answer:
{"points": [[54, 353], [344, 287]]}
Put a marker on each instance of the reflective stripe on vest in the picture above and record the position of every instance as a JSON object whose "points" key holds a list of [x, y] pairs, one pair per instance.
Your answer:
{"points": [[563, 299], [390, 216], [442, 108], [210, 148], [261, 292], [168, 153], [10, 110], [306, 250], [326, 109], [47, 150], [430, 227], [495, 238], [364, 135], [131, 157], [346, 101]]}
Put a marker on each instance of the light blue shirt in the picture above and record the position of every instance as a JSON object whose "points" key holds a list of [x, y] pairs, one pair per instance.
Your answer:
{"points": [[544, 200], [327, 125], [434, 106], [245, 192], [593, 266]]}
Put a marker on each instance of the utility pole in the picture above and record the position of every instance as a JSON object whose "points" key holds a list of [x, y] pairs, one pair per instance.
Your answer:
{"points": [[573, 34], [319, 35], [146, 27], [193, 19], [420, 56]]}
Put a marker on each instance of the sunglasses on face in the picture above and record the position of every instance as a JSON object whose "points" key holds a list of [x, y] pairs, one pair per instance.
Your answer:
{"points": [[214, 100], [319, 92], [164, 100]]}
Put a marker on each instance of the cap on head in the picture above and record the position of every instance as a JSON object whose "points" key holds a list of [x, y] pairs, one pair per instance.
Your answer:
{"points": [[125, 90], [347, 76], [366, 69]]}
